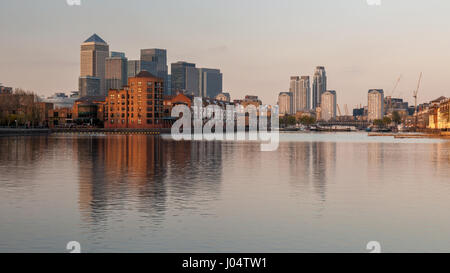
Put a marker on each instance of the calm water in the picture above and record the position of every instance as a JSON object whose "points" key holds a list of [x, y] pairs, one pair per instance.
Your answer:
{"points": [[317, 193]]}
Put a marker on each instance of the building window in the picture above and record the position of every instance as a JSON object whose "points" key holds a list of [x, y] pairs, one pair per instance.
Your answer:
{"points": [[149, 121]]}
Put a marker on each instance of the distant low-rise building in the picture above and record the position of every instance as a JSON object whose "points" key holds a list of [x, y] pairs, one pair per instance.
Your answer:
{"points": [[224, 97], [89, 110]]}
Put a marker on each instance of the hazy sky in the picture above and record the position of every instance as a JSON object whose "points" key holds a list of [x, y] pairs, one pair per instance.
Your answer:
{"points": [[258, 44]]}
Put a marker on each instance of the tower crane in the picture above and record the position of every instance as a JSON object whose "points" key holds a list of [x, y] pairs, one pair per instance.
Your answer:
{"points": [[396, 85], [339, 110], [415, 93]]}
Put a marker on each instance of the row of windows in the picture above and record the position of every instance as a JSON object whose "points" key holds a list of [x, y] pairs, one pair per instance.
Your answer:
{"points": [[139, 121]]}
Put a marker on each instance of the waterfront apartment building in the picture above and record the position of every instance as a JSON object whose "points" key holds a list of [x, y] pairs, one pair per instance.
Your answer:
{"points": [[94, 52], [89, 86], [375, 104], [319, 86], [159, 56], [285, 103], [300, 88], [328, 105], [116, 71], [179, 76], [138, 105]]}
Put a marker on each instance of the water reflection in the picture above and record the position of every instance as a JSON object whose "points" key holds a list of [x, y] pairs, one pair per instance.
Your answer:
{"points": [[120, 173], [145, 193]]}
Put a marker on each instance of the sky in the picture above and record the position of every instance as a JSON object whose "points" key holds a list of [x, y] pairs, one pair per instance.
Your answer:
{"points": [[258, 44]]}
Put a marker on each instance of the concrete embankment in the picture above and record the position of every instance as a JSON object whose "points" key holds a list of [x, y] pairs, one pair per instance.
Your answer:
{"points": [[441, 135], [23, 132], [30, 132]]}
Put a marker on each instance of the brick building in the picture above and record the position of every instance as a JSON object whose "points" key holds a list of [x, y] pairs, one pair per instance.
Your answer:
{"points": [[138, 105]]}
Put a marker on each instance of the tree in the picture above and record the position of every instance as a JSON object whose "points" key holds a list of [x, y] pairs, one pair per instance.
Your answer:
{"points": [[396, 117], [387, 121], [307, 120], [378, 122]]}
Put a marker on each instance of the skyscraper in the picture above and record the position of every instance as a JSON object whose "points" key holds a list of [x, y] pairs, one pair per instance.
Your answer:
{"points": [[94, 52], [328, 105], [89, 86], [159, 56], [192, 81], [136, 66], [116, 71], [319, 85], [203, 82], [294, 87], [284, 103], [375, 104], [210, 82], [179, 73], [301, 90]]}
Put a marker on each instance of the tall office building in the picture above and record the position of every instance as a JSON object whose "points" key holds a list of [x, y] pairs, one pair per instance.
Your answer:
{"points": [[301, 90], [159, 56], [284, 103], [178, 75], [210, 82], [116, 71], [203, 82], [136, 66], [94, 52], [192, 81], [319, 85], [89, 86], [375, 104], [328, 105]]}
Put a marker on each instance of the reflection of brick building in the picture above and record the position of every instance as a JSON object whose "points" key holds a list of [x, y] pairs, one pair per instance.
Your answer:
{"points": [[138, 105]]}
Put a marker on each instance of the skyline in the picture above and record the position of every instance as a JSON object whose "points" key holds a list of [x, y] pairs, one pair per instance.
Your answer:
{"points": [[360, 46]]}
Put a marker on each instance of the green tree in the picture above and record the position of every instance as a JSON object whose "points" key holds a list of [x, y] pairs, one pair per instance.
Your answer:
{"points": [[396, 117], [387, 121]]}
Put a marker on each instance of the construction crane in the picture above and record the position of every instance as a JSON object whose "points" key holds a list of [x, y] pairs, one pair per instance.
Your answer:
{"points": [[339, 109], [396, 85], [346, 110], [416, 92]]}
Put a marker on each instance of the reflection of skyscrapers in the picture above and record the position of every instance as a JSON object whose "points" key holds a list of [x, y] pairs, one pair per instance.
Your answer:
{"points": [[319, 85], [159, 56], [301, 90], [116, 71], [328, 105], [94, 52], [375, 104], [105, 178]]}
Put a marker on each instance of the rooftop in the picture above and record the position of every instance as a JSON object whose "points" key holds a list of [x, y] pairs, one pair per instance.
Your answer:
{"points": [[95, 39]]}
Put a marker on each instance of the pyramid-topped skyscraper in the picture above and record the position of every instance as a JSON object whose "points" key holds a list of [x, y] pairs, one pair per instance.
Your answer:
{"points": [[94, 52]]}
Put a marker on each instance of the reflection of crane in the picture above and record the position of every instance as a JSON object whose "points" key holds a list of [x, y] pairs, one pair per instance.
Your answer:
{"points": [[396, 85], [415, 98]]}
